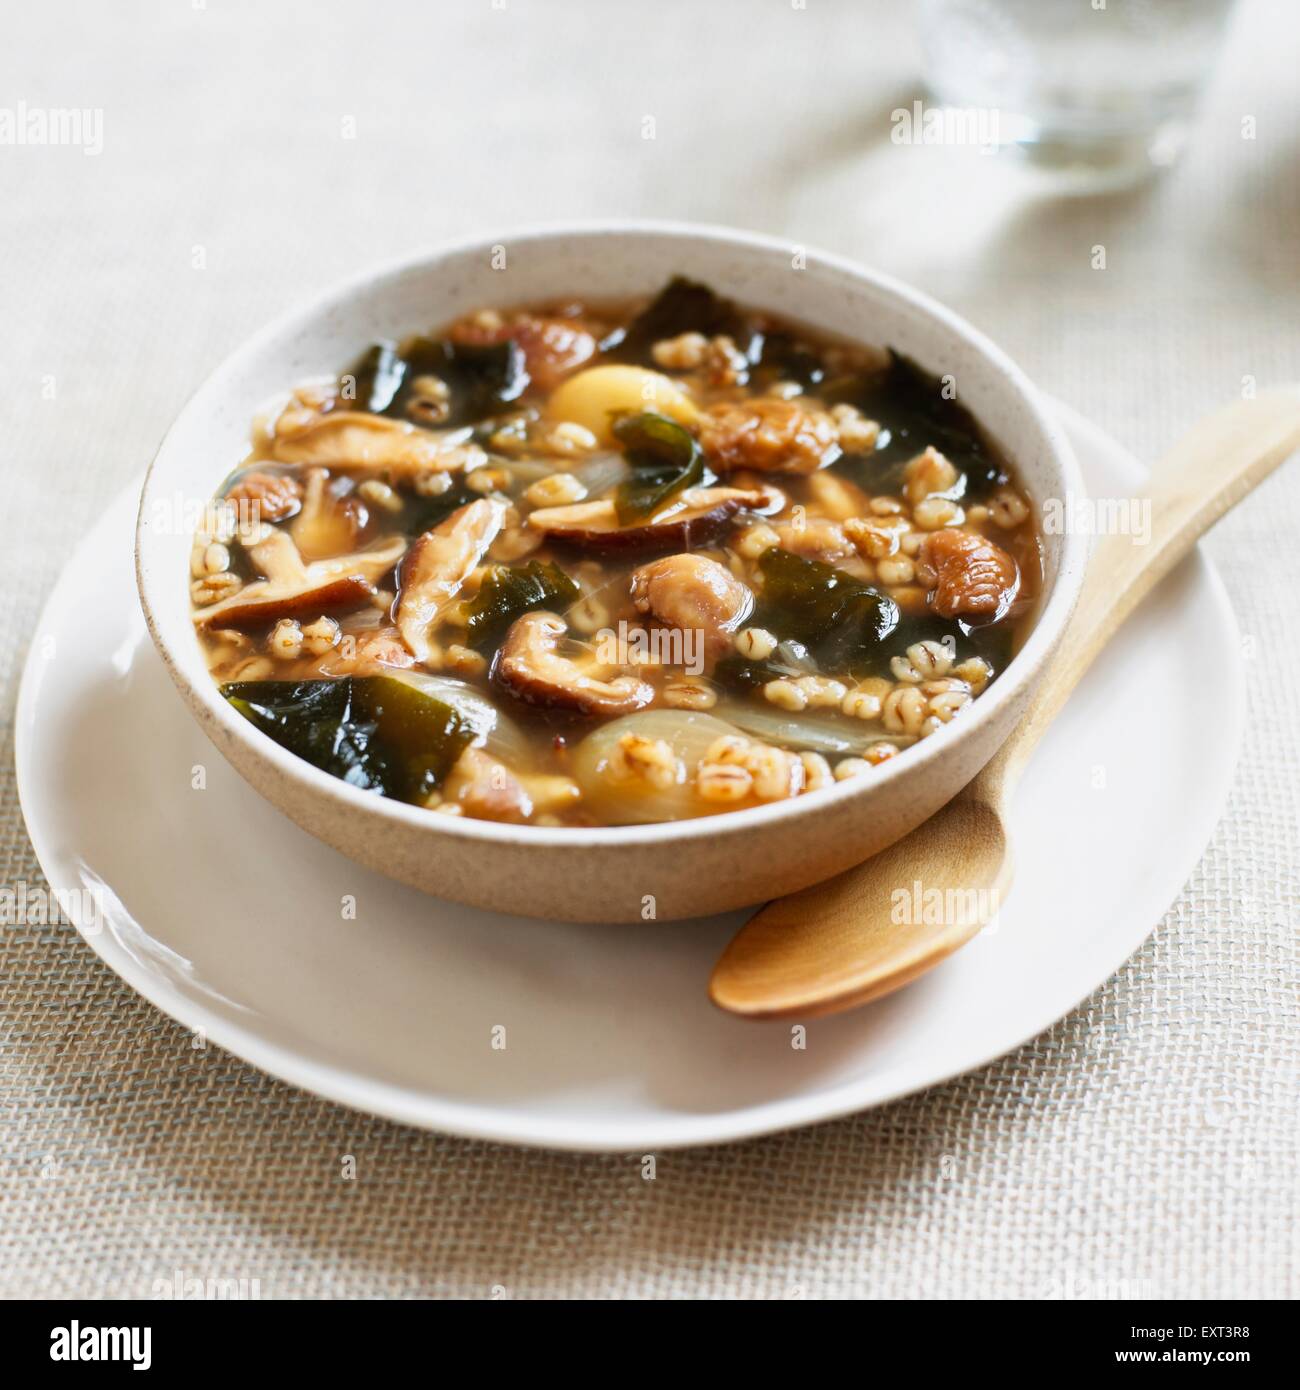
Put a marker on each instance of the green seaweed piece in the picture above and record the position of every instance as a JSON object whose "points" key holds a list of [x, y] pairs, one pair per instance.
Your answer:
{"points": [[424, 735], [315, 720], [665, 459], [992, 641], [842, 620], [738, 672], [507, 593], [682, 306], [374, 732], [482, 379], [783, 357], [914, 412], [374, 379]]}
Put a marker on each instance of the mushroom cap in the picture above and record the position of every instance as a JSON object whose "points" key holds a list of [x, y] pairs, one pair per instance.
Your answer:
{"points": [[698, 515], [532, 669], [356, 439], [247, 612], [294, 590]]}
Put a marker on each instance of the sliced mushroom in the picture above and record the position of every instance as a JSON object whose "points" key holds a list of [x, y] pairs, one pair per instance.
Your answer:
{"points": [[372, 564], [695, 594], [532, 669], [325, 524], [255, 606], [486, 789], [276, 557], [292, 589], [698, 515], [354, 439], [438, 564]]}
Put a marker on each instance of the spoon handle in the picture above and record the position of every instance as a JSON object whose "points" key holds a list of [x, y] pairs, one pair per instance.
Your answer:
{"points": [[1204, 475]]}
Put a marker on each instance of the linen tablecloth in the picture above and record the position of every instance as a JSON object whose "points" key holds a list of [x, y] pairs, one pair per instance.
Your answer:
{"points": [[251, 154]]}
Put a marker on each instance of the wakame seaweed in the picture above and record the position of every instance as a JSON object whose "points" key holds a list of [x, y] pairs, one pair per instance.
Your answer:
{"points": [[841, 619], [782, 357], [507, 593], [682, 306], [483, 379], [914, 411], [373, 732], [420, 514], [665, 459], [374, 379], [992, 641]]}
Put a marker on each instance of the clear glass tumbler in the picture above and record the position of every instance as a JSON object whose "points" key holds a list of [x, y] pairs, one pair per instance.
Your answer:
{"points": [[1105, 90]]}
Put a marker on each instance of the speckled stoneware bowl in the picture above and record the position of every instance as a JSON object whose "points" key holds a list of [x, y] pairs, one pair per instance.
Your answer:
{"points": [[609, 873]]}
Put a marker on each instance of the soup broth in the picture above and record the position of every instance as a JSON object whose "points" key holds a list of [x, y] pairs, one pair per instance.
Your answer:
{"points": [[580, 564]]}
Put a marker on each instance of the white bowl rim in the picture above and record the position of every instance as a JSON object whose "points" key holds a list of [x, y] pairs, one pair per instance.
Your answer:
{"points": [[1050, 621]]}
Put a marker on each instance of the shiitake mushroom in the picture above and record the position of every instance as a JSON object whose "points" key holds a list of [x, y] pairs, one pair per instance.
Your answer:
{"points": [[698, 515]]}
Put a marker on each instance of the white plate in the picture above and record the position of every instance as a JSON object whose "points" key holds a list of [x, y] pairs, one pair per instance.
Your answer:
{"points": [[233, 921]]}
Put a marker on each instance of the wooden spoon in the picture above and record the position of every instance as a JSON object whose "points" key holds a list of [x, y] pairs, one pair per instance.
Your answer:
{"points": [[834, 945]]}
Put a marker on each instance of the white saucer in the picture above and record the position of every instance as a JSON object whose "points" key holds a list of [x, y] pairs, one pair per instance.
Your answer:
{"points": [[232, 920]]}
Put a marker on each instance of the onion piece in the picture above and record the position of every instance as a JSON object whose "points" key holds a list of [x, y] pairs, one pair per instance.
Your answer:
{"points": [[601, 472], [815, 733], [634, 801], [597, 474], [522, 472]]}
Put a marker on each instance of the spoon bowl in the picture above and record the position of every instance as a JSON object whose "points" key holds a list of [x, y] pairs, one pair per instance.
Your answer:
{"points": [[870, 933]]}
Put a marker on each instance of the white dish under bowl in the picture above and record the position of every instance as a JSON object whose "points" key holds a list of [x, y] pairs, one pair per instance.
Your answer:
{"points": [[204, 899]]}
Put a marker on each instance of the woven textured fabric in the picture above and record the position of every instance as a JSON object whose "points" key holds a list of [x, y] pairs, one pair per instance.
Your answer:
{"points": [[1147, 1144]]}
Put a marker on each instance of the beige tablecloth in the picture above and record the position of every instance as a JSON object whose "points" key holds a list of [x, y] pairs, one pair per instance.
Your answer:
{"points": [[252, 154]]}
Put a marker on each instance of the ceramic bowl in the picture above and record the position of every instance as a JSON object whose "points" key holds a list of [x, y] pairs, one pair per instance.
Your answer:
{"points": [[622, 873]]}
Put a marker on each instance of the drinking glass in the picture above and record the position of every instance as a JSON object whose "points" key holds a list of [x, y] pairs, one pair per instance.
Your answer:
{"points": [[1102, 89]]}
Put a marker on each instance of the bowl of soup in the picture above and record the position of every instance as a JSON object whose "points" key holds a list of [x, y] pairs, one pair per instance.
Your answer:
{"points": [[622, 572]]}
